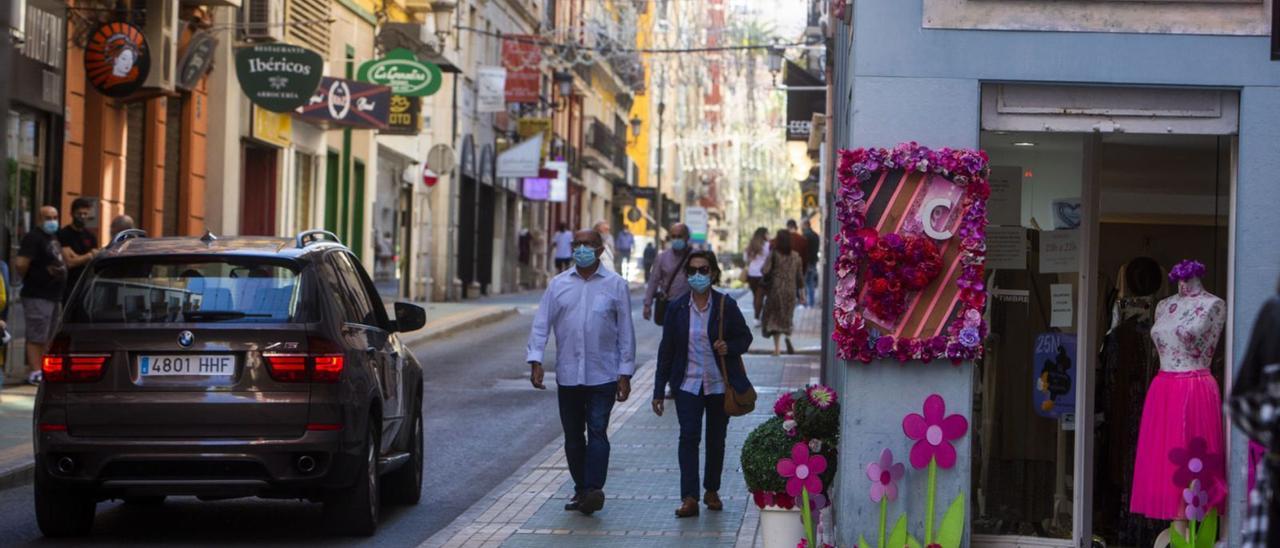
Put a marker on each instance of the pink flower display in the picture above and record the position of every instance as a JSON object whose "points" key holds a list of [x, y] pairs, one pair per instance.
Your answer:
{"points": [[784, 404], [821, 396], [802, 470], [1197, 500], [933, 432], [884, 475]]}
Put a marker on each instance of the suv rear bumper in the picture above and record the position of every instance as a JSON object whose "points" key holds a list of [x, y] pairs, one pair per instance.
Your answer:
{"points": [[109, 467]]}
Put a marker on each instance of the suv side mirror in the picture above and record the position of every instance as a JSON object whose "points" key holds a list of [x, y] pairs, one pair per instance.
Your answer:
{"points": [[409, 317]]}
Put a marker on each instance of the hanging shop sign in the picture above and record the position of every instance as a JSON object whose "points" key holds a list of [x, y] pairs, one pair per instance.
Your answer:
{"points": [[802, 104], [271, 127], [403, 73], [403, 115], [278, 77], [196, 60], [349, 103], [522, 57], [645, 192], [117, 59], [560, 184], [696, 219], [526, 128], [489, 84], [521, 160], [910, 282]]}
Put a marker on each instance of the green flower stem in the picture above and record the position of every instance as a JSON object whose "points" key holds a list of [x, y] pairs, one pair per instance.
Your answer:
{"points": [[1192, 524], [933, 490], [884, 511], [807, 516]]}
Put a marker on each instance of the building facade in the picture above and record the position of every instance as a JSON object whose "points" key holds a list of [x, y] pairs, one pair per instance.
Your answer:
{"points": [[1123, 138]]}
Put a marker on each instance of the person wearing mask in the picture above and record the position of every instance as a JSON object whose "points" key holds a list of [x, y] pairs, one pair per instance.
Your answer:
{"points": [[689, 363], [785, 271], [79, 244], [606, 236], [563, 240], [757, 253], [43, 270], [120, 224], [646, 260], [668, 282], [626, 241], [588, 309], [813, 243]]}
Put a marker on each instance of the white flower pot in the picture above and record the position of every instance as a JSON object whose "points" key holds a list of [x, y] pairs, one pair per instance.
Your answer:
{"points": [[780, 528]]}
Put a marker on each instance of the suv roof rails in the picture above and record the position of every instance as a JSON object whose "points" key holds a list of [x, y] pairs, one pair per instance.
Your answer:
{"points": [[127, 235], [308, 237]]}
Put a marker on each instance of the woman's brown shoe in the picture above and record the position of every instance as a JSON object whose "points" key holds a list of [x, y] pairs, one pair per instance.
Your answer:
{"points": [[688, 509], [712, 499]]}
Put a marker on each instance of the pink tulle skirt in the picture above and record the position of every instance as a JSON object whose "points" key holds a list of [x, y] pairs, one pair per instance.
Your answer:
{"points": [[1181, 442]]}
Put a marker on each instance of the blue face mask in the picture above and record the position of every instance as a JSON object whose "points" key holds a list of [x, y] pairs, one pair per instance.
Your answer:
{"points": [[700, 282], [678, 244], [49, 227], [584, 256]]}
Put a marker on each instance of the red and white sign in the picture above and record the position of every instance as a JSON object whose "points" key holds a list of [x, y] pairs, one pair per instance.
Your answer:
{"points": [[522, 57], [429, 177]]}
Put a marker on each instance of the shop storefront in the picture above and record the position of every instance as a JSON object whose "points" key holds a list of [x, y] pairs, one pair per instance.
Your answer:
{"points": [[1098, 188]]}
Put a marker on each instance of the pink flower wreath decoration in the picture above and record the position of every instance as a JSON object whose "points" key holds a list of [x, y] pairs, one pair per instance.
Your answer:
{"points": [[860, 250]]}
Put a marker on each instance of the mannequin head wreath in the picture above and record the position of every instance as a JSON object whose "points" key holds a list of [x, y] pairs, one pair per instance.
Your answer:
{"points": [[1186, 270]]}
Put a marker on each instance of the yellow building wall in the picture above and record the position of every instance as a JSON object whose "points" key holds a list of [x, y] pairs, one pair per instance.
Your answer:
{"points": [[638, 147]]}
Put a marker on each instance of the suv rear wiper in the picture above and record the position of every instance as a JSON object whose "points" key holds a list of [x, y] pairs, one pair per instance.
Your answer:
{"points": [[219, 315]]}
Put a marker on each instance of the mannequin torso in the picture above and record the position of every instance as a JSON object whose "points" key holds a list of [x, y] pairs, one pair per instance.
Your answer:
{"points": [[1187, 327]]}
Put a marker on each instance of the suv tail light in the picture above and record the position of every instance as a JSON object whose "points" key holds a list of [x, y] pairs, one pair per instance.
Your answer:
{"points": [[73, 367], [323, 364]]}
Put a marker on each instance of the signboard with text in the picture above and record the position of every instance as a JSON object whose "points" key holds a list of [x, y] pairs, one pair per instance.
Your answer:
{"points": [[349, 103], [403, 115], [522, 57], [403, 73], [278, 77]]}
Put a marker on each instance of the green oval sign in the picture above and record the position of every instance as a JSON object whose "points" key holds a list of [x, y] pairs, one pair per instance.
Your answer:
{"points": [[278, 77], [403, 73]]}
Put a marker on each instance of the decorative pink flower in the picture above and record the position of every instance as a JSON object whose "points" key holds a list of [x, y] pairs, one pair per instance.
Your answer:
{"points": [[1197, 500], [802, 470], [821, 396], [884, 476], [1195, 462], [933, 432], [784, 404]]}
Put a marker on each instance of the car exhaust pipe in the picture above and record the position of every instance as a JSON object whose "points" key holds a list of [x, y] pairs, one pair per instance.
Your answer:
{"points": [[306, 464], [66, 465]]}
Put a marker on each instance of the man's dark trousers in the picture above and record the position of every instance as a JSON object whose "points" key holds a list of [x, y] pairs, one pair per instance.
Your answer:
{"points": [[587, 408], [690, 409]]}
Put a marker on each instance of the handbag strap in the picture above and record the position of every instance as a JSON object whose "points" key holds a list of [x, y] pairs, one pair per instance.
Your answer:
{"points": [[672, 279], [724, 374]]}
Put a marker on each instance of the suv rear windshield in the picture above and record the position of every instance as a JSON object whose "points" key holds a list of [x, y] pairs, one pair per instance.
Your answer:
{"points": [[168, 290]]}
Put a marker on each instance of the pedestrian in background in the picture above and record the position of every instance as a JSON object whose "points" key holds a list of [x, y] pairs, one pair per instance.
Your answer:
{"points": [[757, 253], [689, 364], [43, 270], [1254, 403], [79, 244], [589, 310], [813, 243], [798, 244], [563, 242], [120, 224], [626, 241], [784, 270], [668, 282], [646, 260]]}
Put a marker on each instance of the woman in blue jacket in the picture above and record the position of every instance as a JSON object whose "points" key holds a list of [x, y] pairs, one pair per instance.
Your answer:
{"points": [[688, 361]]}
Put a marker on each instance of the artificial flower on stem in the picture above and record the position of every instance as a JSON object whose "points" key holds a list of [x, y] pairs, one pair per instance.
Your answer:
{"points": [[884, 475], [933, 432], [802, 471]]}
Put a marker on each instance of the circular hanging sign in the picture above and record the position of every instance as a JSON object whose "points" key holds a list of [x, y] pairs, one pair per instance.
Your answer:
{"points": [[278, 77], [633, 215], [197, 59], [117, 59], [403, 73]]}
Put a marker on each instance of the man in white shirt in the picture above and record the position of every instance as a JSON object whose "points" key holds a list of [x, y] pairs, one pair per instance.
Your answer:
{"points": [[563, 248], [589, 310]]}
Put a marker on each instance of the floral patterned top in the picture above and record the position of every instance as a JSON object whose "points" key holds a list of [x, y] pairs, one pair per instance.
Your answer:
{"points": [[1187, 328]]}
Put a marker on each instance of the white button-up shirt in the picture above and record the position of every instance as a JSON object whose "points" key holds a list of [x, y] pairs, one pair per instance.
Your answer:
{"points": [[595, 339], [702, 376]]}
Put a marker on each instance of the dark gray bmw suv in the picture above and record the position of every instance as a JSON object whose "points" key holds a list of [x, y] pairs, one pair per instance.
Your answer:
{"points": [[222, 368]]}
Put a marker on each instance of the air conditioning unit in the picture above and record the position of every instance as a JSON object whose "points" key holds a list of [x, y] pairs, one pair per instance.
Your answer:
{"points": [[263, 20], [161, 32]]}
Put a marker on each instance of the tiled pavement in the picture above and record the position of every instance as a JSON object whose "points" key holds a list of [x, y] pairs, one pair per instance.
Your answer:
{"points": [[643, 485]]}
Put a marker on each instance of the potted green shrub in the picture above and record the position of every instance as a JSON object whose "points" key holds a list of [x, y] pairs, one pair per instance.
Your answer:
{"points": [[810, 416]]}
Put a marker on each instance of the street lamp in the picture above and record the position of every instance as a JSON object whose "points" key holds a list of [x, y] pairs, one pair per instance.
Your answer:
{"points": [[775, 62], [635, 126], [442, 10], [564, 83]]}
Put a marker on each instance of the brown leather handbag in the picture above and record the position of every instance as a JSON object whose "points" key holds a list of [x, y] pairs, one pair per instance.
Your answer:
{"points": [[736, 404]]}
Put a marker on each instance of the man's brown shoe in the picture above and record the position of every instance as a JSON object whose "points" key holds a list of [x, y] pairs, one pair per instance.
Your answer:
{"points": [[712, 499], [688, 509]]}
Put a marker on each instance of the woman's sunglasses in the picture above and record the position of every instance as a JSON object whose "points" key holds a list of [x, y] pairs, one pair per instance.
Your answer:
{"points": [[691, 270]]}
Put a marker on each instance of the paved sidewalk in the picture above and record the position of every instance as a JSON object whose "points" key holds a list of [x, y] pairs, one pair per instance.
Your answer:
{"points": [[643, 485]]}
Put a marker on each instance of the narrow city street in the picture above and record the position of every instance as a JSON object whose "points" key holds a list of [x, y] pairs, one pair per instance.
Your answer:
{"points": [[483, 421]]}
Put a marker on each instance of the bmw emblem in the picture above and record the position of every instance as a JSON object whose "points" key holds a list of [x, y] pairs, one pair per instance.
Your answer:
{"points": [[186, 339]]}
